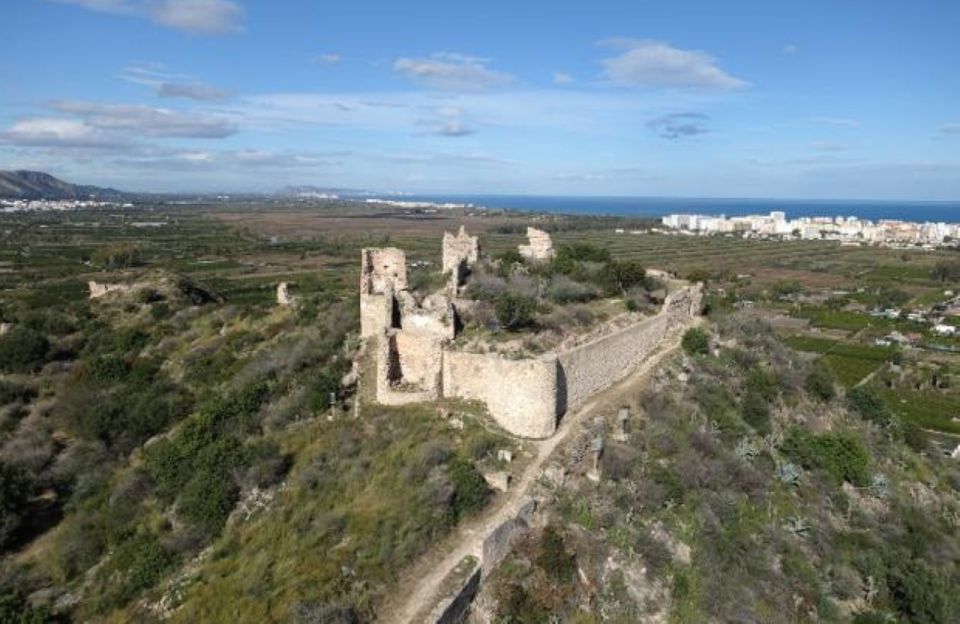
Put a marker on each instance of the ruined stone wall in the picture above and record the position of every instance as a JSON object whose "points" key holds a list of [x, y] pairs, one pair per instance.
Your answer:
{"points": [[391, 386], [539, 245], [98, 289], [284, 297], [382, 270], [593, 366], [459, 249], [376, 314], [420, 359], [521, 395], [684, 302]]}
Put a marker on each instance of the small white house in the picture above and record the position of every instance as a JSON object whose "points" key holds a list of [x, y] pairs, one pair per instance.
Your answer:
{"points": [[945, 330]]}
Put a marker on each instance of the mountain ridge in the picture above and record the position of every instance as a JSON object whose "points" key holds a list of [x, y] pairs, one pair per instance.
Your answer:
{"points": [[26, 184]]}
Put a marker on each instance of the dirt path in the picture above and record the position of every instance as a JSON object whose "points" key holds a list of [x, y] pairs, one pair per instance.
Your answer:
{"points": [[416, 595]]}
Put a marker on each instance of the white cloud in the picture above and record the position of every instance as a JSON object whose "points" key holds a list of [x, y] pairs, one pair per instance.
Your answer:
{"points": [[208, 17], [330, 58], [647, 63], [449, 71], [60, 132], [204, 17], [243, 159], [169, 85], [849, 122], [137, 119], [791, 48], [950, 128], [562, 78]]}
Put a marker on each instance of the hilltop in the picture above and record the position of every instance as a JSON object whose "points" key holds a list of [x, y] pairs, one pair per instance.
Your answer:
{"points": [[22, 184]]}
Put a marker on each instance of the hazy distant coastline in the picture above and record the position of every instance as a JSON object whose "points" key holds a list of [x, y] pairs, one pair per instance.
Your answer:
{"points": [[920, 211]]}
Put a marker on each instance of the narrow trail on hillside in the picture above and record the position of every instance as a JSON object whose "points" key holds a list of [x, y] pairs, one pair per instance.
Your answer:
{"points": [[416, 593]]}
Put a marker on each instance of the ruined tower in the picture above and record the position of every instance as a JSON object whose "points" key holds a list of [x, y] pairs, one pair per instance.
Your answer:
{"points": [[539, 246], [460, 252]]}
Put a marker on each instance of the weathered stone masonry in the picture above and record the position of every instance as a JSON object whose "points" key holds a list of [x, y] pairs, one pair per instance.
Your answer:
{"points": [[416, 361]]}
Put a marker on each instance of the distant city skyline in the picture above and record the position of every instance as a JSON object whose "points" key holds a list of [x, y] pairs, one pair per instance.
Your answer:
{"points": [[815, 100]]}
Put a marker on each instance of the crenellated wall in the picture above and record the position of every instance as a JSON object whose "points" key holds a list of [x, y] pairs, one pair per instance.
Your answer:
{"points": [[521, 395]]}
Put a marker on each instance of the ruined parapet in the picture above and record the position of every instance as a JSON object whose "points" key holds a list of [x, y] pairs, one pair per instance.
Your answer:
{"points": [[408, 371], [521, 395], [376, 313], [383, 273], [460, 252], [98, 289], [590, 367], [284, 297], [685, 302], [382, 269], [539, 246]]}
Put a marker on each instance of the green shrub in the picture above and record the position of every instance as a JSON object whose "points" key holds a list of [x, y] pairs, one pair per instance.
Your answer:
{"points": [[137, 564], [840, 455], [507, 261], [118, 256], [208, 499], [10, 392], [16, 609], [514, 311], [617, 277], [563, 289], [583, 252], [922, 593], [15, 489], [763, 382], [516, 605], [696, 341], [23, 350], [756, 411], [868, 406], [553, 558], [470, 488], [820, 382]]}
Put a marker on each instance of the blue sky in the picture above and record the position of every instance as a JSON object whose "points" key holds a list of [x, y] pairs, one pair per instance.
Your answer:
{"points": [[814, 99]]}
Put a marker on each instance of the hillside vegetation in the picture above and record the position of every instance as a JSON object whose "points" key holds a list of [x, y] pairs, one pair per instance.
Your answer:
{"points": [[751, 488]]}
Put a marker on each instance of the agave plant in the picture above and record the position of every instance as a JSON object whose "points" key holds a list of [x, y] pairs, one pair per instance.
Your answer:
{"points": [[880, 486], [746, 449], [789, 473], [797, 525]]}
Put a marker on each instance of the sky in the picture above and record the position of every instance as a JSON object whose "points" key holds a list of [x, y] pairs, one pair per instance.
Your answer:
{"points": [[820, 99]]}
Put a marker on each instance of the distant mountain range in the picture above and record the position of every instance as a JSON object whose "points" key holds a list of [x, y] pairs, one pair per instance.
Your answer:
{"points": [[38, 185]]}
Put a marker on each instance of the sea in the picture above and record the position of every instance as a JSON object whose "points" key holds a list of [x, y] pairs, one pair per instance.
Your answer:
{"points": [[918, 211]]}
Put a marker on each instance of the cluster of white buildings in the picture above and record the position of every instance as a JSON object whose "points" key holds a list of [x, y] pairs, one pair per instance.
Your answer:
{"points": [[38, 205], [417, 204], [849, 229]]}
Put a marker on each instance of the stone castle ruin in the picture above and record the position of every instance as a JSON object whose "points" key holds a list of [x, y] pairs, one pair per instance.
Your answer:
{"points": [[539, 246], [417, 360]]}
